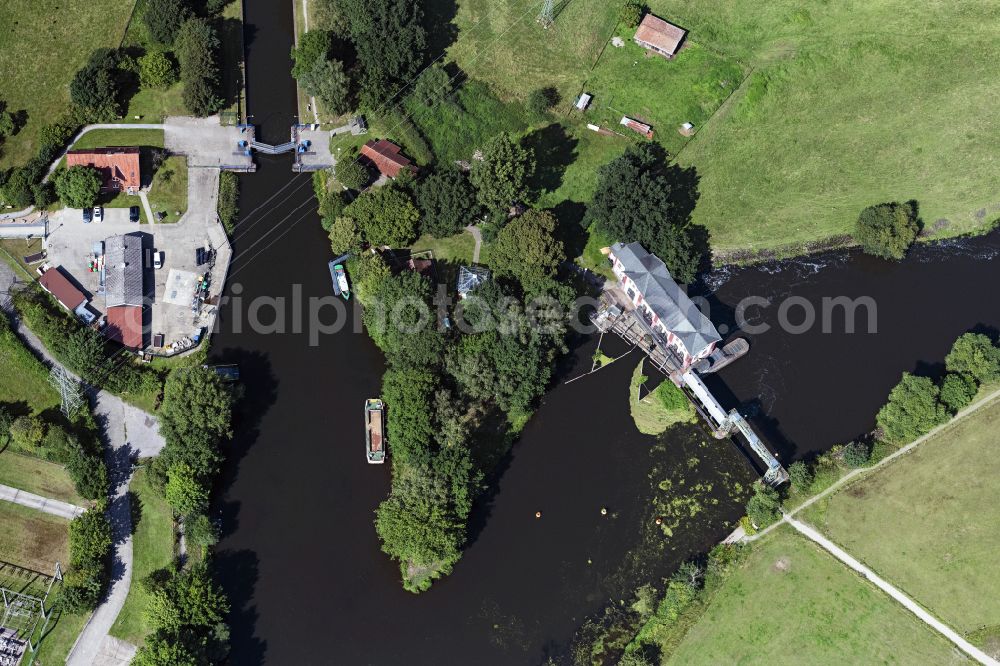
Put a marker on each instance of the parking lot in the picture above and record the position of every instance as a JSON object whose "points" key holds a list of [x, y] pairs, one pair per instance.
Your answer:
{"points": [[169, 289]]}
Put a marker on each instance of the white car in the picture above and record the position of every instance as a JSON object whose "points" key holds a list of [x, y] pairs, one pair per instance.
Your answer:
{"points": [[98, 213], [158, 260]]}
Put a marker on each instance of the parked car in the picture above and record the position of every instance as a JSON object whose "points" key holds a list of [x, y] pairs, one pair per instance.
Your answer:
{"points": [[88, 215], [133, 214], [158, 260], [98, 214]]}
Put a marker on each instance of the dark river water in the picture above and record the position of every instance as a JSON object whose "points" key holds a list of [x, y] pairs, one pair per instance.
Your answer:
{"points": [[299, 555]]}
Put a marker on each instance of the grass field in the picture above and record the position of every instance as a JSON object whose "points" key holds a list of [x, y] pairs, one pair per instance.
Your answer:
{"points": [[42, 44], [60, 636], [927, 522], [32, 386], [15, 249], [501, 43], [38, 476], [456, 249], [103, 138], [850, 104], [33, 539], [168, 192], [153, 549], [660, 92], [792, 603]]}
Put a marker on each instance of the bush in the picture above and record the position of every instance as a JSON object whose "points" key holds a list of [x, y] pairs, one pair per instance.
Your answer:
{"points": [[44, 194], [631, 14], [90, 553], [887, 230], [432, 86], [800, 474], [200, 530], [185, 493], [957, 391], [26, 433], [856, 454], [78, 186], [156, 70], [541, 100]]}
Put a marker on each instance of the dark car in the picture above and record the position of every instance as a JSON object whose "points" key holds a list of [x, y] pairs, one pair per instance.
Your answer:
{"points": [[133, 214], [88, 215]]}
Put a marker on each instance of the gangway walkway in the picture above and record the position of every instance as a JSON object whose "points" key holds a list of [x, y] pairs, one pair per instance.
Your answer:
{"points": [[273, 150], [725, 423]]}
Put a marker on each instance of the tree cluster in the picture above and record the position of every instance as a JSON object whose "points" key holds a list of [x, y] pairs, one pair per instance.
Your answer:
{"points": [[90, 560], [640, 198], [98, 86], [187, 611], [197, 46], [321, 75]]}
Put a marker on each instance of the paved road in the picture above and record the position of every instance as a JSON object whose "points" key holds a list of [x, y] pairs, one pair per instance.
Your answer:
{"points": [[476, 234], [127, 433], [893, 592], [52, 506]]}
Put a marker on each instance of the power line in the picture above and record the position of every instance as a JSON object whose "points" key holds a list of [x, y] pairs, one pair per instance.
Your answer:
{"points": [[70, 395], [548, 14]]}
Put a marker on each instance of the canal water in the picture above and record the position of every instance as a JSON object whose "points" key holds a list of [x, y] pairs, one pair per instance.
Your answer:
{"points": [[299, 556]]}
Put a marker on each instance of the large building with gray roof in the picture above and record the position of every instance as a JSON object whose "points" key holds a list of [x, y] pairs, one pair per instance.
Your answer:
{"points": [[662, 304]]}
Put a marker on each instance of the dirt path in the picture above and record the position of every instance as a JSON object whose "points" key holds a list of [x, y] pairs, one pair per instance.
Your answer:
{"points": [[478, 236]]}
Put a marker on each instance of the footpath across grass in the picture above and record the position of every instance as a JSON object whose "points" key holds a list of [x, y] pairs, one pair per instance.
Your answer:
{"points": [[152, 550], [927, 523], [792, 603]]}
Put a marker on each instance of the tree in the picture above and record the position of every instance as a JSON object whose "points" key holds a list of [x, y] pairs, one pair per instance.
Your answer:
{"points": [[887, 230], [185, 493], [17, 190], [44, 194], [631, 13], [163, 19], [640, 198], [409, 392], [327, 81], [501, 177], [541, 100], [95, 87], [401, 321], [975, 355], [432, 86], [352, 174], [344, 236], [913, 409], [156, 70], [801, 475], [185, 599], [763, 506], [163, 649], [314, 46], [527, 250], [26, 433], [386, 216], [8, 126], [957, 391], [856, 454], [78, 186], [89, 538], [368, 271], [447, 203], [390, 41], [197, 45]]}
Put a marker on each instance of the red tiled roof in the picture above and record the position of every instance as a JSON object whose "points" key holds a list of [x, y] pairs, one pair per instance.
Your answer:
{"points": [[656, 32], [119, 167], [125, 325], [54, 282], [386, 158]]}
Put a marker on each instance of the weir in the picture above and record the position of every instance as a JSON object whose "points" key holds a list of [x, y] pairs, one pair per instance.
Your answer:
{"points": [[724, 423]]}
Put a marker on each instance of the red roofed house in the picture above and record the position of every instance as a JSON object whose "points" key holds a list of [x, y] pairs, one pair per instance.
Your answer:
{"points": [[386, 158], [124, 325], [54, 282], [657, 35], [119, 167]]}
